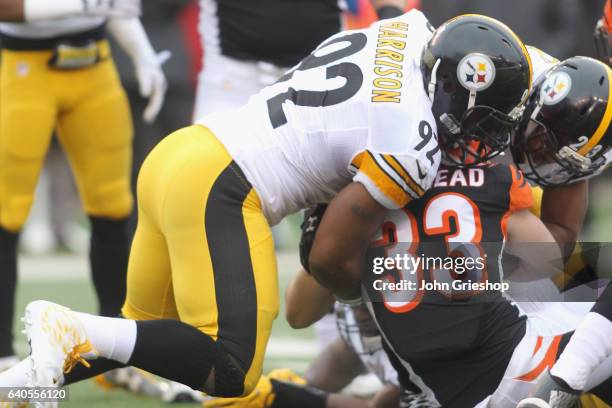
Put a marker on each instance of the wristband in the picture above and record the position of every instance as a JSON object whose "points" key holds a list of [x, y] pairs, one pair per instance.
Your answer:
{"points": [[351, 302], [386, 12]]}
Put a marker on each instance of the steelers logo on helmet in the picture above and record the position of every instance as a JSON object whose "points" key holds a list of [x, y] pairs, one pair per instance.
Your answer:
{"points": [[556, 88], [476, 72]]}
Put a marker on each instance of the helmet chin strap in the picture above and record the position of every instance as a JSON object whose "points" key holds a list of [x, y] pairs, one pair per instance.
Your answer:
{"points": [[472, 100], [431, 88]]}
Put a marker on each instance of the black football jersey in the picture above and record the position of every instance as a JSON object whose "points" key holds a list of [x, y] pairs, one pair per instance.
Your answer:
{"points": [[455, 337]]}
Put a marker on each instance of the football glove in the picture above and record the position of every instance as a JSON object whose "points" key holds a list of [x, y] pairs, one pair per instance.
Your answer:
{"points": [[262, 396], [132, 37], [310, 224]]}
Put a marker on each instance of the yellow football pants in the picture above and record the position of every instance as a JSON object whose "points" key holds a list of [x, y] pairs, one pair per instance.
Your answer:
{"points": [[90, 111], [203, 251]]}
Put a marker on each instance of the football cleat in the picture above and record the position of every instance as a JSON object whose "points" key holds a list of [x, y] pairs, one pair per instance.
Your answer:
{"points": [[57, 344], [549, 393], [8, 362], [262, 396], [174, 392], [142, 383]]}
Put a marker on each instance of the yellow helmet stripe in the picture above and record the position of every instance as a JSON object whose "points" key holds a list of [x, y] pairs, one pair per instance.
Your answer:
{"points": [[516, 37], [605, 121]]}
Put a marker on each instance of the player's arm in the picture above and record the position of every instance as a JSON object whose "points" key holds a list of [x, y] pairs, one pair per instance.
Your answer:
{"points": [[338, 251], [389, 8], [565, 222], [306, 301], [133, 39], [33, 10], [532, 248]]}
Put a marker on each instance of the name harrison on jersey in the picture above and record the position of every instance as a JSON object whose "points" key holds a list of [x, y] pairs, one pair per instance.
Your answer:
{"points": [[388, 65]]}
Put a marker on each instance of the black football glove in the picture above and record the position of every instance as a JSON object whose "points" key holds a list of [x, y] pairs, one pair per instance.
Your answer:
{"points": [[310, 225]]}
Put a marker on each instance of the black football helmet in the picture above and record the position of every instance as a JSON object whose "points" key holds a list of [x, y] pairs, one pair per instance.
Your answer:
{"points": [[603, 35], [565, 130], [477, 74]]}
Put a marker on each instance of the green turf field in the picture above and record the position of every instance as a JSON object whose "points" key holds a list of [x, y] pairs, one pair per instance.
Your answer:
{"points": [[64, 281]]}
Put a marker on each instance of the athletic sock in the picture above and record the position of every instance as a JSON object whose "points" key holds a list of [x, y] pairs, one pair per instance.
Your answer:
{"points": [[112, 337], [589, 346], [289, 395], [16, 376], [108, 256], [8, 277]]}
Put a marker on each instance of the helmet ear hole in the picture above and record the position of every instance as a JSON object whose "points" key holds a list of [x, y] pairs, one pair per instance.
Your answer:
{"points": [[584, 110], [449, 87], [602, 80]]}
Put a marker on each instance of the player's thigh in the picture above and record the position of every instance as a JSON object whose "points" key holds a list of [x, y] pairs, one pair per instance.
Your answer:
{"points": [[150, 293], [222, 255], [97, 137], [27, 118]]}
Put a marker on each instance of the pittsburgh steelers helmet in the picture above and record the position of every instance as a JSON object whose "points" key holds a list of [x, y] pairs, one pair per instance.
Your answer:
{"points": [[477, 74], [565, 130]]}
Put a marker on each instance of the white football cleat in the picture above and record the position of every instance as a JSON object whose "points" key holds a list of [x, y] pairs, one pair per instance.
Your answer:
{"points": [[57, 344], [8, 362]]}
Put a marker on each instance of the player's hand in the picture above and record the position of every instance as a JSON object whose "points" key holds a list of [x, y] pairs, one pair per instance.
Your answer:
{"points": [[152, 82], [112, 8]]}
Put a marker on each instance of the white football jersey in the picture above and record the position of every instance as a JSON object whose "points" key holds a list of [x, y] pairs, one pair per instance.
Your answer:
{"points": [[354, 110], [540, 62], [51, 28]]}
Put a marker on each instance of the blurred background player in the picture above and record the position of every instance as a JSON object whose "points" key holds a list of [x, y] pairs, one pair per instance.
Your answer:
{"points": [[57, 73], [249, 45]]}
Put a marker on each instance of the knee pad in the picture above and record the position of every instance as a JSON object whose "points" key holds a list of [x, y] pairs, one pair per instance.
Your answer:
{"points": [[15, 212], [229, 376], [111, 200]]}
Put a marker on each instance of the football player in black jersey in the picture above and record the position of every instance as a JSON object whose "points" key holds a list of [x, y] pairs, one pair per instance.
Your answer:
{"points": [[460, 350]]}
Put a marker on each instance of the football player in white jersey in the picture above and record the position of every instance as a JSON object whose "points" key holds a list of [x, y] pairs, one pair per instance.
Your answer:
{"points": [[359, 121]]}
